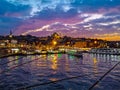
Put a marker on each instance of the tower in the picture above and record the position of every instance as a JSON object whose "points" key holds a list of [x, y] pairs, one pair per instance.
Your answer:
{"points": [[10, 35]]}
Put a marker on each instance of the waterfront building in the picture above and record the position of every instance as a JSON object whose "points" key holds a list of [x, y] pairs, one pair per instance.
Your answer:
{"points": [[80, 44]]}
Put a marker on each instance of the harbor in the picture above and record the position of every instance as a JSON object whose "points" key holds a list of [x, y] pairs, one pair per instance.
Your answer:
{"points": [[108, 51], [59, 64], [60, 71], [59, 44]]}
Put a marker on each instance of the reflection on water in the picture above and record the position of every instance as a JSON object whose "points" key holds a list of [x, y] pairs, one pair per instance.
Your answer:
{"points": [[95, 69], [67, 66], [12, 63], [94, 61], [106, 57], [54, 62], [41, 69]]}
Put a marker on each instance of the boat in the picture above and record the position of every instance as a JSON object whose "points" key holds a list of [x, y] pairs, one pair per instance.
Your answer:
{"points": [[77, 54], [110, 51]]}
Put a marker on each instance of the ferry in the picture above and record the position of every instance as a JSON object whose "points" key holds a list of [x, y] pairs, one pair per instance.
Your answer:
{"points": [[110, 51]]}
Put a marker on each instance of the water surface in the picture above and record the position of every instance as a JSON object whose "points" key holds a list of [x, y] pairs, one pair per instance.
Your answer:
{"points": [[59, 72]]}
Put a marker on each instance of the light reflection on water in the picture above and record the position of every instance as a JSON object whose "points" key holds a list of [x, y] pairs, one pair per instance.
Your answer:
{"points": [[55, 67], [95, 61], [54, 62]]}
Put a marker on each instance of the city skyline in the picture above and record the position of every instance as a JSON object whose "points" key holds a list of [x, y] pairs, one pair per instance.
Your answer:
{"points": [[75, 18]]}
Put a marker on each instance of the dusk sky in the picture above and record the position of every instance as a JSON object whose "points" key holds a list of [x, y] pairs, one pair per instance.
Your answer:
{"points": [[76, 18]]}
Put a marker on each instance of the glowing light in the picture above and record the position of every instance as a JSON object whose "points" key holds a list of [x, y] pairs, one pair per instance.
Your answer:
{"points": [[94, 60], [95, 42], [54, 42], [95, 66], [15, 50]]}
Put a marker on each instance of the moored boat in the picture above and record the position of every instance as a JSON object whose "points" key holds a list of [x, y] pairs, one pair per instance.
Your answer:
{"points": [[110, 51], [77, 54]]}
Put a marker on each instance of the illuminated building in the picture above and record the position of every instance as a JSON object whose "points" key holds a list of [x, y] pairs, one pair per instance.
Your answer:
{"points": [[80, 44]]}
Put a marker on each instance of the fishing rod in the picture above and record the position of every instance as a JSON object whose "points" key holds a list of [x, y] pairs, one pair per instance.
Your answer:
{"points": [[103, 76], [3, 56], [4, 71], [15, 67], [11, 61], [51, 82], [18, 66]]}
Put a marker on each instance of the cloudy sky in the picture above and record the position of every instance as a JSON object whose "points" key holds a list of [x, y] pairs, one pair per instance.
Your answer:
{"points": [[77, 18]]}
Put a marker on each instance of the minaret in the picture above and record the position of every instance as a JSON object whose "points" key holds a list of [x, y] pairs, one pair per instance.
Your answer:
{"points": [[10, 35]]}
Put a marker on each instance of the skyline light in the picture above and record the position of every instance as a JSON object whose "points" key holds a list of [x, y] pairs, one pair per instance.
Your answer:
{"points": [[75, 18]]}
